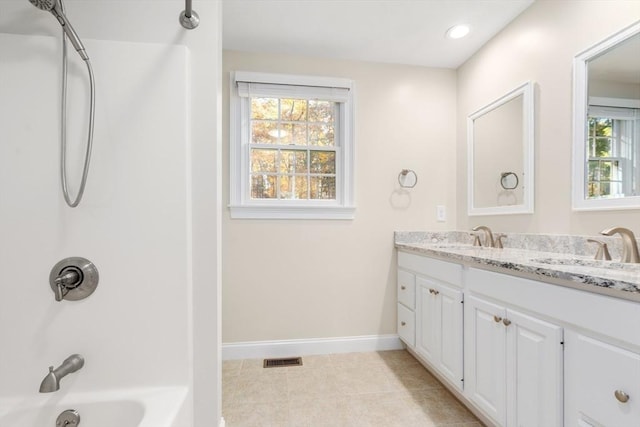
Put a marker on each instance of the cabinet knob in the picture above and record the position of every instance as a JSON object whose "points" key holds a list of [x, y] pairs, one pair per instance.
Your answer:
{"points": [[497, 319], [403, 323], [506, 322], [621, 396], [403, 287], [436, 292], [431, 290]]}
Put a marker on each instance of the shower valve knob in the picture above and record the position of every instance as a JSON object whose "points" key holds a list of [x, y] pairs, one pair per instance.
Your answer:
{"points": [[73, 279]]}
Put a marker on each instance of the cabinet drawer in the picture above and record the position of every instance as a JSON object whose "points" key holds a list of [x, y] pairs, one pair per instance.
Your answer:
{"points": [[406, 325], [407, 289], [596, 370]]}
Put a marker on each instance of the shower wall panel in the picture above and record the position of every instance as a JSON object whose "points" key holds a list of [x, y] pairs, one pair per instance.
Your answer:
{"points": [[133, 223]]}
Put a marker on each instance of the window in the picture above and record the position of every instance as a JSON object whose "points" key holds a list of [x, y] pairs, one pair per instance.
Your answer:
{"points": [[291, 147], [612, 152]]}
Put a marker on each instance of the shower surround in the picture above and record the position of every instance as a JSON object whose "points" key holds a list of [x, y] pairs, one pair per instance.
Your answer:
{"points": [[149, 217]]}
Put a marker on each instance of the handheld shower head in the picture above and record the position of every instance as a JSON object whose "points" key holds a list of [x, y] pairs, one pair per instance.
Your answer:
{"points": [[55, 7], [44, 4]]}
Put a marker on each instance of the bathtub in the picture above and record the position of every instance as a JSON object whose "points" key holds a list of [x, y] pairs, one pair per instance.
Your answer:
{"points": [[143, 407]]}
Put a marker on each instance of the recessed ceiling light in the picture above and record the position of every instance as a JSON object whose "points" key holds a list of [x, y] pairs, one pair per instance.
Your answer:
{"points": [[458, 31]]}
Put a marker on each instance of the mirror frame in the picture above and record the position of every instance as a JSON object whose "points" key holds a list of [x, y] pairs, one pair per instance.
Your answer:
{"points": [[526, 90], [580, 106]]}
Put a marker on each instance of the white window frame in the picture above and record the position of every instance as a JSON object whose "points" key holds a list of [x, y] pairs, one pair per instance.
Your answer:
{"points": [[241, 204]]}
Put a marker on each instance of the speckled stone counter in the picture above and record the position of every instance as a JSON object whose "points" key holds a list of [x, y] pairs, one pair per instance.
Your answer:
{"points": [[558, 259]]}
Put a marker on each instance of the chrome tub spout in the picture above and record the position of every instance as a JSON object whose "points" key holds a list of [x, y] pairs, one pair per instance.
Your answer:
{"points": [[52, 381]]}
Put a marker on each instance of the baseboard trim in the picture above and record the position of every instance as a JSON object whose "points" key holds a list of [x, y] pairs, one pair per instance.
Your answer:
{"points": [[307, 347]]}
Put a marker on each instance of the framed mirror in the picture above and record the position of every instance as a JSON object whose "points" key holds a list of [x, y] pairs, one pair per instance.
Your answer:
{"points": [[606, 146], [500, 152]]}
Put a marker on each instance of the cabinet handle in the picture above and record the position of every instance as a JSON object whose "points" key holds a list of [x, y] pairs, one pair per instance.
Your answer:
{"points": [[497, 319], [621, 396], [403, 323], [403, 287], [436, 292], [431, 290], [506, 322]]}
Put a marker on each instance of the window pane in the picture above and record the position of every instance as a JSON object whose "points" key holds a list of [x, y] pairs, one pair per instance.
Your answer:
{"points": [[293, 161], [323, 187], [293, 134], [264, 108], [321, 134], [263, 187], [593, 170], [323, 162], [300, 134], [321, 111], [264, 132], [293, 187], [603, 147], [605, 171], [263, 160], [293, 110]]}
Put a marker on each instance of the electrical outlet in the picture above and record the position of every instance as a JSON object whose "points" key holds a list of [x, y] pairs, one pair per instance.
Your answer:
{"points": [[441, 213]]}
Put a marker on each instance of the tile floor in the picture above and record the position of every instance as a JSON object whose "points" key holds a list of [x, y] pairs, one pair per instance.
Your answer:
{"points": [[380, 389]]}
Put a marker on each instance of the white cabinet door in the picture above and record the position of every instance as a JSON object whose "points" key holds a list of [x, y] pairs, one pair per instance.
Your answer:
{"points": [[485, 357], [427, 318], [451, 334], [534, 371], [598, 379]]}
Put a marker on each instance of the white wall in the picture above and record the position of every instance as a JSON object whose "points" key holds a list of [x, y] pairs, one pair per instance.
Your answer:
{"points": [[150, 214], [540, 46], [316, 279]]}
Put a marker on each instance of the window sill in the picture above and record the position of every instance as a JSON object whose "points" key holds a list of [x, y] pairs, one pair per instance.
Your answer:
{"points": [[292, 212]]}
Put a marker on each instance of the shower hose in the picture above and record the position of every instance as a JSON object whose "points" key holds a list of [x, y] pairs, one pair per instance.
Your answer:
{"points": [[63, 131]]}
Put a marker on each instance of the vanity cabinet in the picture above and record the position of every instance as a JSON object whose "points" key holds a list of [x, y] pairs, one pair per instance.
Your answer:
{"points": [[439, 335], [602, 383], [513, 365], [430, 313], [533, 354]]}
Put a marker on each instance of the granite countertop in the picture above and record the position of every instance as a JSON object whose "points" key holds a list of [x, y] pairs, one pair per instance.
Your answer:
{"points": [[560, 260]]}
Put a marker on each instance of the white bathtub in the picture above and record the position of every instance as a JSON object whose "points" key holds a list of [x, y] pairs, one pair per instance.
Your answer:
{"points": [[144, 407]]}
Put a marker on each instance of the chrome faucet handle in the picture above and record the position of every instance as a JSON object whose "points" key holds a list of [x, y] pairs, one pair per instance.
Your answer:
{"points": [[603, 251], [488, 235], [59, 292], [629, 243], [497, 242], [476, 239]]}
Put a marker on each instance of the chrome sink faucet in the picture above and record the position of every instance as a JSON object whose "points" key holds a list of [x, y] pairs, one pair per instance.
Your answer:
{"points": [[488, 235], [52, 381], [629, 243]]}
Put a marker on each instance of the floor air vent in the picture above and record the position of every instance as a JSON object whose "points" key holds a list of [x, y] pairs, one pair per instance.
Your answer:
{"points": [[277, 363]]}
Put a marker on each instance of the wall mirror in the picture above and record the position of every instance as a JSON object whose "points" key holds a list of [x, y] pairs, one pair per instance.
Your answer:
{"points": [[500, 141], [606, 146]]}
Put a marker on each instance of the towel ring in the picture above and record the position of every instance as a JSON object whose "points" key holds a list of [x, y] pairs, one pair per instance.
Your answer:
{"points": [[407, 178], [509, 180]]}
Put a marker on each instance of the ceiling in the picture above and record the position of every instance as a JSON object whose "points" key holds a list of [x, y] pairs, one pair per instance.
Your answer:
{"points": [[392, 31]]}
